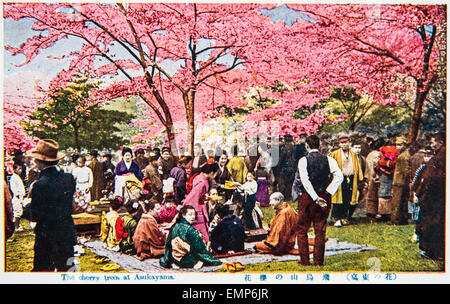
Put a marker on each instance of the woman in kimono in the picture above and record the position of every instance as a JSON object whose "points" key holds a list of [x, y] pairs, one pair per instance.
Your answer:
{"points": [[196, 198], [112, 230], [262, 194], [148, 240], [185, 247], [179, 174], [127, 165], [222, 176], [248, 193]]}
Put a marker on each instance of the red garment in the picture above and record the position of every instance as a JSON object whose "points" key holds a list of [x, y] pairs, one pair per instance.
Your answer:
{"points": [[388, 158], [190, 182], [120, 232], [166, 215]]}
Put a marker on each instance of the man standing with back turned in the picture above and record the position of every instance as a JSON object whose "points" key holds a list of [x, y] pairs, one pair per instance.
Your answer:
{"points": [[320, 176], [51, 208]]}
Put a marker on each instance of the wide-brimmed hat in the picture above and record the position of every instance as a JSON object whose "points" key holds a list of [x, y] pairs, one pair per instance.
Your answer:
{"points": [[46, 150]]}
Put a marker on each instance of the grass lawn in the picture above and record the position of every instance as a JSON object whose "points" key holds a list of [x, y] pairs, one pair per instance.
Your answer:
{"points": [[396, 252]]}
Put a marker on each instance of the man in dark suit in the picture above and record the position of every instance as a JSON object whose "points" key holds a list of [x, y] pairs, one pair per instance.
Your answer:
{"points": [[320, 178], [51, 209]]}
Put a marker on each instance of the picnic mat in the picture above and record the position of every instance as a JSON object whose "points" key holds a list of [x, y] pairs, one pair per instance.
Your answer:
{"points": [[133, 264]]}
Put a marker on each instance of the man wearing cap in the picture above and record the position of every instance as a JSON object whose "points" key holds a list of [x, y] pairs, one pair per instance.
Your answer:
{"points": [[400, 182], [98, 178], [51, 209], [346, 198]]}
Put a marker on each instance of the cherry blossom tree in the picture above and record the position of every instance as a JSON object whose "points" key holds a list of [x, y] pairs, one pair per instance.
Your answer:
{"points": [[223, 50], [369, 46], [136, 40], [22, 94]]}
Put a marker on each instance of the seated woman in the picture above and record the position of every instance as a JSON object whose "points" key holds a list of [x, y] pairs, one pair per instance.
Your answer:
{"points": [[127, 165], [112, 227], [148, 240], [185, 247], [125, 168], [129, 226], [228, 235], [168, 210], [211, 202], [196, 198]]}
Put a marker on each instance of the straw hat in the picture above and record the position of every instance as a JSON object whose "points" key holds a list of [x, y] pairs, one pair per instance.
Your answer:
{"points": [[46, 150]]}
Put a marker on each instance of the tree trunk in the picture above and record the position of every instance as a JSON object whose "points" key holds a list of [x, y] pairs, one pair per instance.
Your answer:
{"points": [[416, 120], [171, 141], [77, 138], [190, 117]]}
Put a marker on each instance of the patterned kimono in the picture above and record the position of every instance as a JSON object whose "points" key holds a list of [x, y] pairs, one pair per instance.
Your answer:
{"points": [[185, 247], [129, 226], [112, 230], [84, 179]]}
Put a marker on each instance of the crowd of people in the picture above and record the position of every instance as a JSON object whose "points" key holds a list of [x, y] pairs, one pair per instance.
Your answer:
{"points": [[187, 210]]}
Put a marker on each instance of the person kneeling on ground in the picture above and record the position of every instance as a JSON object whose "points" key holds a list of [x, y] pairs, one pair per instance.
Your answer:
{"points": [[112, 227], [148, 240], [185, 247], [129, 226], [168, 210], [229, 233], [282, 235]]}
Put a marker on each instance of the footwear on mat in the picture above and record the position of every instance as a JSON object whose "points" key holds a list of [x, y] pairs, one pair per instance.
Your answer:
{"points": [[100, 260], [238, 266], [110, 267], [229, 267]]}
